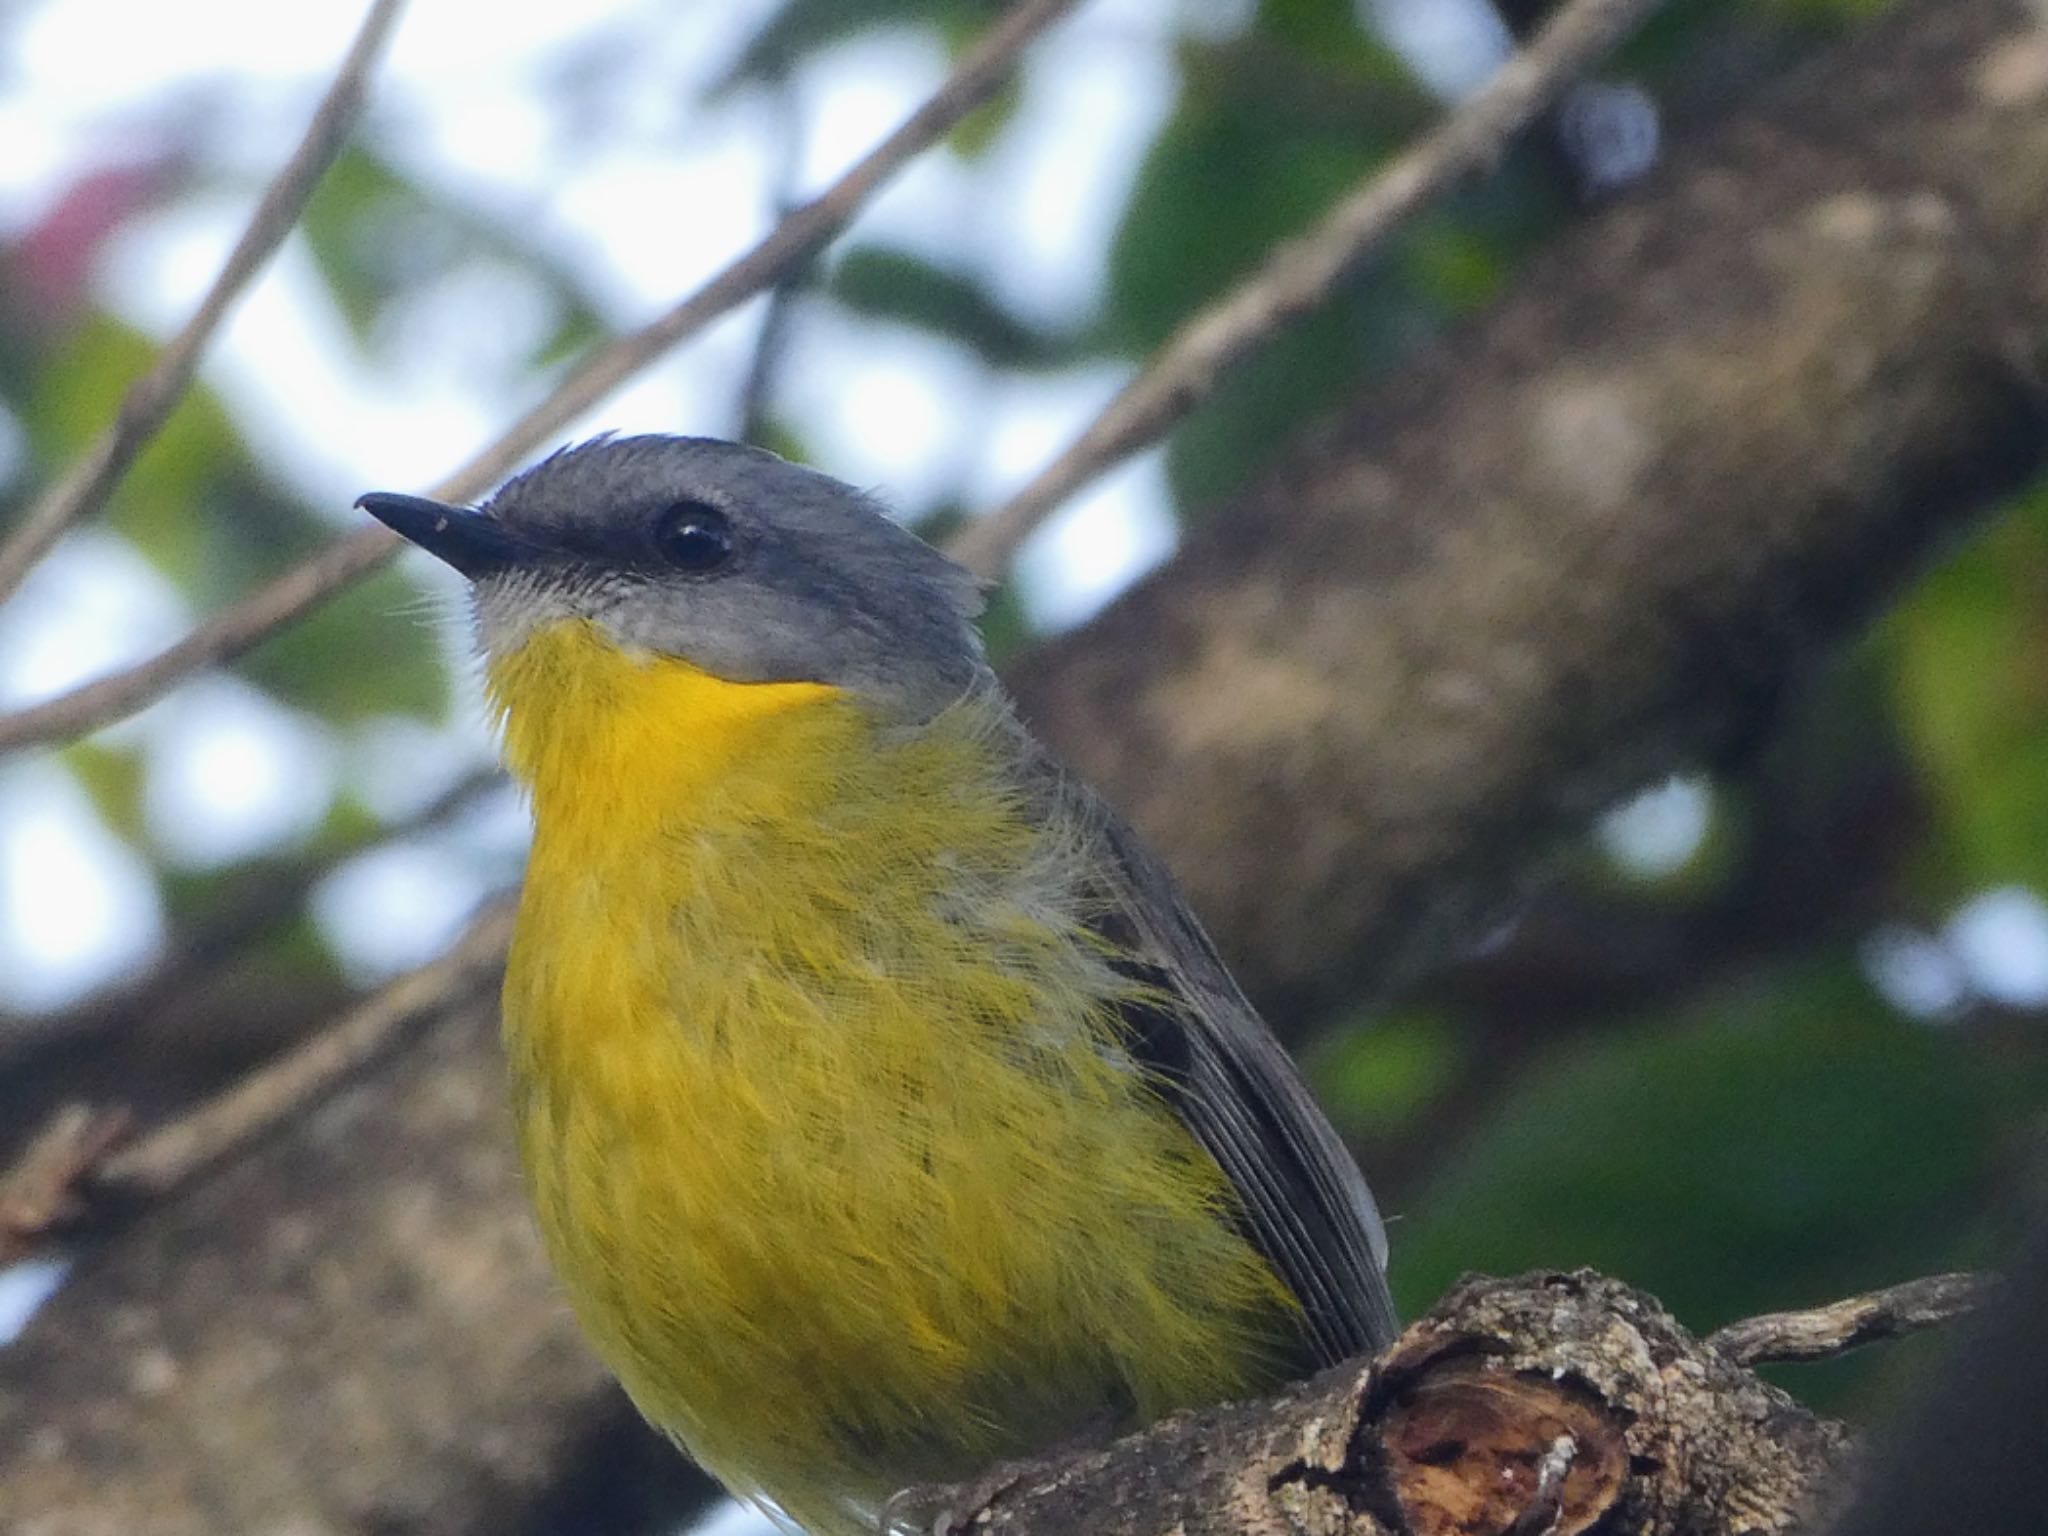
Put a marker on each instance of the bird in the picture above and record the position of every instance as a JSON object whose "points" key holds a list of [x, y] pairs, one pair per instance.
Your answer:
{"points": [[885, 1111]]}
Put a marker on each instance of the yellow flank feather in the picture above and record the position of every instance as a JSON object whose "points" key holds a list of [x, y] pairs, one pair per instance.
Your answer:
{"points": [[821, 1098]]}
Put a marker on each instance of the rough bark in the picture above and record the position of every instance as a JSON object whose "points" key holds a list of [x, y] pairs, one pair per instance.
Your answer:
{"points": [[1601, 531], [1649, 1432], [350, 1331]]}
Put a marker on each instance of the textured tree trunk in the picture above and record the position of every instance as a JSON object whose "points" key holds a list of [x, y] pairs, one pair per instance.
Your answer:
{"points": [[1600, 533], [1597, 535], [351, 1330]]}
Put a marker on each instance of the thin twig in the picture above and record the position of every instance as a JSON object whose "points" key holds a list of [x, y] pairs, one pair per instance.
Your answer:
{"points": [[193, 959], [751, 419], [798, 236], [83, 1151], [1303, 272], [40, 1192], [1827, 1331], [84, 488], [80, 1154], [220, 639], [164, 1158]]}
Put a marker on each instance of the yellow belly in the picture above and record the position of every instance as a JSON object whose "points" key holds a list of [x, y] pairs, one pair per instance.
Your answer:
{"points": [[820, 1098]]}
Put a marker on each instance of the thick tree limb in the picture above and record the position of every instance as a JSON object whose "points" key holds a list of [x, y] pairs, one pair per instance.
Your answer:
{"points": [[1600, 534], [1601, 531]]}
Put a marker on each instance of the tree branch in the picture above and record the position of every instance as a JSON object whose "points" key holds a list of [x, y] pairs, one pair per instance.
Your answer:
{"points": [[1601, 534], [1826, 1331], [40, 1192], [84, 488], [280, 1091], [1551, 1403], [203, 954], [349, 1329], [1602, 530], [81, 1157], [794, 239], [1304, 272]]}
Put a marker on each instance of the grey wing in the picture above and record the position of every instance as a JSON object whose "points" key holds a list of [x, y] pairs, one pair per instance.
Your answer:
{"points": [[1305, 1202]]}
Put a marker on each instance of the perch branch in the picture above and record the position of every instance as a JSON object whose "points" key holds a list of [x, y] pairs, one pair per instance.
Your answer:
{"points": [[1548, 1403]]}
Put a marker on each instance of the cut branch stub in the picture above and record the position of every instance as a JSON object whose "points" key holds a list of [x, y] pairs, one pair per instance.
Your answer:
{"points": [[1467, 1448], [1667, 1434]]}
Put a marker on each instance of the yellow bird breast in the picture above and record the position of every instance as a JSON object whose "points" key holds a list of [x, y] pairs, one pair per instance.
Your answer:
{"points": [[824, 1109]]}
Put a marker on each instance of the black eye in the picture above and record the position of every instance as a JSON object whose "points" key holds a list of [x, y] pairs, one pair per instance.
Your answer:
{"points": [[694, 536]]}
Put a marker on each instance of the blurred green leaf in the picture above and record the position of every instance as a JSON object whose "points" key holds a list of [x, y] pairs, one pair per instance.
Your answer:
{"points": [[162, 503], [1226, 178], [576, 330], [805, 27], [1271, 129], [349, 824], [1328, 33], [885, 284], [782, 439], [375, 235], [370, 651], [1455, 265], [975, 133], [112, 776], [361, 194], [1379, 1074], [1971, 653], [1788, 1143], [1830, 14]]}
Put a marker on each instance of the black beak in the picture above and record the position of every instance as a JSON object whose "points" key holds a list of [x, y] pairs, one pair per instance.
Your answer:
{"points": [[472, 543]]}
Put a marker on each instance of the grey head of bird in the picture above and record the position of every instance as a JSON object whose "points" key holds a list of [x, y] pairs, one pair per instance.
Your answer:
{"points": [[745, 565]]}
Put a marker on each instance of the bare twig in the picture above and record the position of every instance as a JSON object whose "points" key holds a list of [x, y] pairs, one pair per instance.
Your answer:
{"points": [[41, 1190], [149, 401], [165, 1157], [795, 238], [1303, 272], [80, 1153], [1826, 1331], [220, 639], [195, 957], [770, 342]]}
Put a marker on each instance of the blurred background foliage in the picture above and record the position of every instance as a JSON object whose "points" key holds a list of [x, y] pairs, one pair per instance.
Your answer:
{"points": [[1776, 1035]]}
